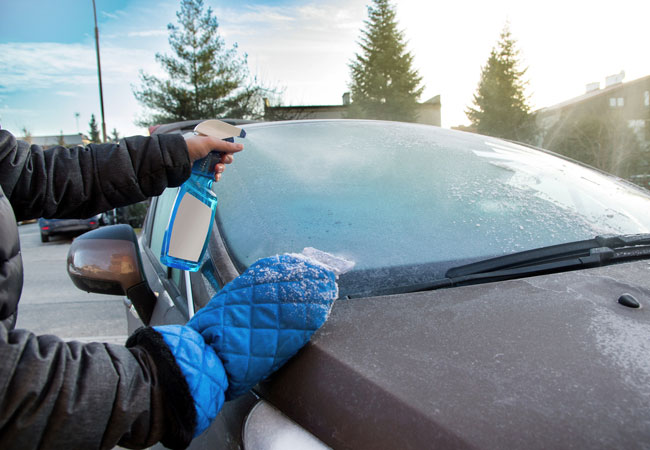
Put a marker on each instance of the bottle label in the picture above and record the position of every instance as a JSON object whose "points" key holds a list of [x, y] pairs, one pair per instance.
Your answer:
{"points": [[191, 227]]}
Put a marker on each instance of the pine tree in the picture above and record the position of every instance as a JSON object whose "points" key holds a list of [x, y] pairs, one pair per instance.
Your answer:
{"points": [[500, 104], [205, 80], [94, 130], [115, 136], [384, 84]]}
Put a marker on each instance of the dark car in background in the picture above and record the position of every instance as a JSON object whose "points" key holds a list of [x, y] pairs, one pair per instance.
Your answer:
{"points": [[50, 227], [132, 215], [499, 299]]}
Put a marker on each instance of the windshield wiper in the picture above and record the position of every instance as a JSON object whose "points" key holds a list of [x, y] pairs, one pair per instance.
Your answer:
{"points": [[598, 251]]}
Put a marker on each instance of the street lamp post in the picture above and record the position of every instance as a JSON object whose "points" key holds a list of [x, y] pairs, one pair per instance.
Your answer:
{"points": [[99, 74]]}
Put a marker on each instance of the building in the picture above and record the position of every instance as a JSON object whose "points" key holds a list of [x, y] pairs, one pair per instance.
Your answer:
{"points": [[428, 111], [631, 100], [69, 140], [617, 104]]}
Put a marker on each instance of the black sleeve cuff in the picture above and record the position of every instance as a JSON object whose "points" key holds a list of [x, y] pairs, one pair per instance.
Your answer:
{"points": [[180, 415], [176, 157]]}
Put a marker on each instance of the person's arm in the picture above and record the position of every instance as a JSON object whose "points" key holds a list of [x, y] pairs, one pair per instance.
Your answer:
{"points": [[80, 182], [83, 181], [56, 394]]}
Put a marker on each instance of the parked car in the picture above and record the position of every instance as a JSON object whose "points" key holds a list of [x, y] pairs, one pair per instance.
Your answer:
{"points": [[51, 227], [131, 214], [499, 299]]}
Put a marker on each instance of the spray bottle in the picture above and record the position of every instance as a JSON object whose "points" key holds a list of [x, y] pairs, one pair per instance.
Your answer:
{"points": [[188, 231]]}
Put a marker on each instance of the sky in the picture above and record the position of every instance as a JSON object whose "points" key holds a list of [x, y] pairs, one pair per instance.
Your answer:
{"points": [[48, 67]]}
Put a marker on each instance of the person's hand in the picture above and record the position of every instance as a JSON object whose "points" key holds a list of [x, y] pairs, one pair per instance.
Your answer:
{"points": [[199, 146], [264, 316]]}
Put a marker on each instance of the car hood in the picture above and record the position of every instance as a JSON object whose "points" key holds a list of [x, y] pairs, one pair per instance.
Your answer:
{"points": [[543, 362]]}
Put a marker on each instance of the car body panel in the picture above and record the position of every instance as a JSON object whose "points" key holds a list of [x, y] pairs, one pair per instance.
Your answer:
{"points": [[551, 361]]}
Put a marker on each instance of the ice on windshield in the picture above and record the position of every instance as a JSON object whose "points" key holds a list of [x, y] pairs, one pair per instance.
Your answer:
{"points": [[389, 195]]}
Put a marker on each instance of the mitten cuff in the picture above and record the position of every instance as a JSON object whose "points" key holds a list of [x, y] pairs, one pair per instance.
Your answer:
{"points": [[202, 369], [180, 414]]}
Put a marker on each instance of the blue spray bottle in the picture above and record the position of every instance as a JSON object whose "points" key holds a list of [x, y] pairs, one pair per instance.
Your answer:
{"points": [[188, 231]]}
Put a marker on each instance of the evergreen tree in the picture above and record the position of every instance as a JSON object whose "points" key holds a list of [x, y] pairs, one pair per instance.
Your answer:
{"points": [[94, 130], [384, 85], [115, 136], [205, 80], [500, 104]]}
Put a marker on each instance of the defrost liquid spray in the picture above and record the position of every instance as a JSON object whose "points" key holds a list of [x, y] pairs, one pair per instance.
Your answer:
{"points": [[188, 231]]}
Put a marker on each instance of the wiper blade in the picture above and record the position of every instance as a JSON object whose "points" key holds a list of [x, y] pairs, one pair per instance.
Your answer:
{"points": [[594, 252]]}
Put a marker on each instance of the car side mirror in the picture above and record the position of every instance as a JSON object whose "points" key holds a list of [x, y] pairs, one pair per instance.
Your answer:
{"points": [[107, 261]]}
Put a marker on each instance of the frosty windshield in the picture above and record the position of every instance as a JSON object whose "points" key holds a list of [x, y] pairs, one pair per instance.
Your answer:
{"points": [[409, 199]]}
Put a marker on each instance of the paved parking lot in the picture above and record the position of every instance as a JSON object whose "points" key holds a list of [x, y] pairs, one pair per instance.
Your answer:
{"points": [[51, 304]]}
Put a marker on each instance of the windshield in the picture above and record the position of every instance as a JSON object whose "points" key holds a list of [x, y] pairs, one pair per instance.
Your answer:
{"points": [[406, 202]]}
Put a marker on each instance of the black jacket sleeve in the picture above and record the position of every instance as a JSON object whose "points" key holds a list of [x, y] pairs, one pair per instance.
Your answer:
{"points": [[56, 394], [68, 395], [80, 182]]}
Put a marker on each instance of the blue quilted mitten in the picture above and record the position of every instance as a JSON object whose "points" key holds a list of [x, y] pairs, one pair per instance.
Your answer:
{"points": [[263, 317], [202, 369]]}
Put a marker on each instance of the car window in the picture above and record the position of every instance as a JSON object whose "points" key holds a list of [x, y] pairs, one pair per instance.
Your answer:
{"points": [[164, 205], [399, 197]]}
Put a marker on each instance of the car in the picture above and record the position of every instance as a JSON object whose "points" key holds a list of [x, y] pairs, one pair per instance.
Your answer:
{"points": [[131, 214], [500, 297], [49, 227]]}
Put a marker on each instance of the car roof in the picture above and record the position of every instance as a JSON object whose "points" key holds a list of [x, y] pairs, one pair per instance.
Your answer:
{"points": [[188, 125]]}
